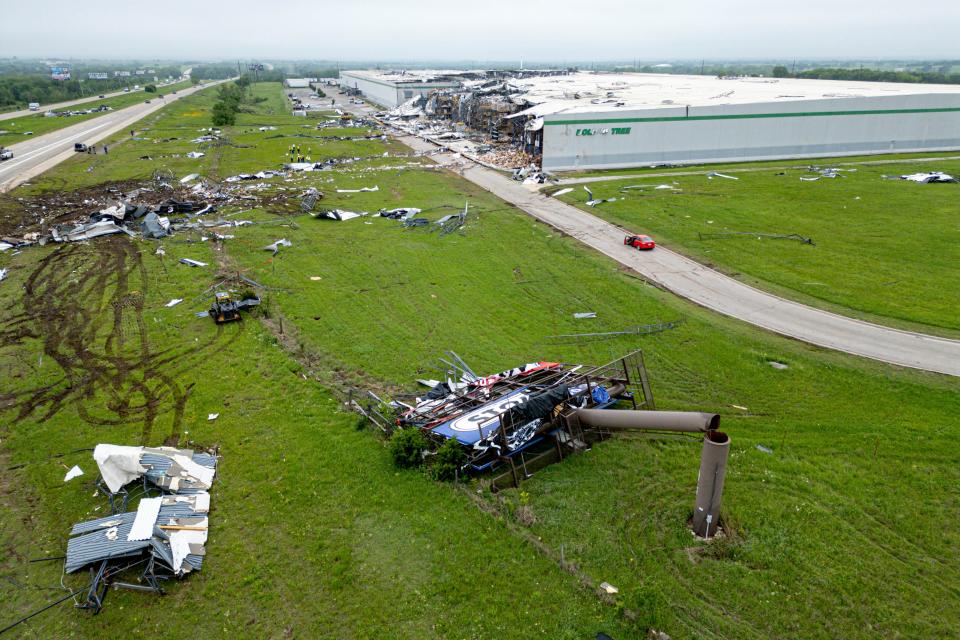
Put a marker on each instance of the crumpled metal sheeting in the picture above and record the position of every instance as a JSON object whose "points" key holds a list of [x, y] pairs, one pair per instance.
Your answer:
{"points": [[90, 543], [158, 463]]}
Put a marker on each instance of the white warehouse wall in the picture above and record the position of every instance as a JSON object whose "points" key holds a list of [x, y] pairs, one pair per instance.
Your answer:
{"points": [[759, 131], [380, 92]]}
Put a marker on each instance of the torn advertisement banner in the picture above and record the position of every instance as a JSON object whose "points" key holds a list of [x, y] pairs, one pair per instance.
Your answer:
{"points": [[363, 190]]}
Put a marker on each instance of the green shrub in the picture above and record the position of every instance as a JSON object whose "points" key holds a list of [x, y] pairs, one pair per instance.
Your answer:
{"points": [[450, 457], [407, 447], [150, 88]]}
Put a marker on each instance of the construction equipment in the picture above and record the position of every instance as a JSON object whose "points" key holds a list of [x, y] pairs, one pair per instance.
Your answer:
{"points": [[224, 308]]}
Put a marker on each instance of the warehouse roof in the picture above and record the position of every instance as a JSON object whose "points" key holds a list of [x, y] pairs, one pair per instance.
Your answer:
{"points": [[416, 76], [588, 92]]}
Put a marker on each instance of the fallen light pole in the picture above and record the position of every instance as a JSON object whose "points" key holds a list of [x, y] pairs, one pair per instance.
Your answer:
{"points": [[713, 468]]}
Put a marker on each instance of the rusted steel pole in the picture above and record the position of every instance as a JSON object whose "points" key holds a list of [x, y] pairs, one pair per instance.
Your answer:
{"points": [[713, 469]]}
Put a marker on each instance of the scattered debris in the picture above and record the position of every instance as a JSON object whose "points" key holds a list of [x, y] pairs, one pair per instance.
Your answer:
{"points": [[74, 472], [716, 174], [933, 177], [641, 330], [720, 235], [196, 154], [608, 588], [737, 406], [275, 247], [363, 190], [338, 214], [212, 416], [764, 449], [585, 314], [189, 178], [165, 535], [778, 365], [225, 309], [562, 192], [3, 274], [174, 302], [192, 263], [592, 202]]}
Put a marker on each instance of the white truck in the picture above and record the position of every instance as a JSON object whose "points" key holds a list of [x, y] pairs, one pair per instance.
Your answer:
{"points": [[34, 106]]}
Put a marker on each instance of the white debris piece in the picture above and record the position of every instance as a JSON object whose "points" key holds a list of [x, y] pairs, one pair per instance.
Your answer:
{"points": [[3, 274], [585, 314], [363, 190], [196, 154], [565, 191], [275, 247], [189, 178], [213, 416], [192, 263], [73, 473], [118, 464], [147, 513], [174, 302], [714, 174], [609, 588]]}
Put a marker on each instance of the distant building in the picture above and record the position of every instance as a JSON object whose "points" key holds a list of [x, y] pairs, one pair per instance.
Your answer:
{"points": [[390, 89], [297, 83]]}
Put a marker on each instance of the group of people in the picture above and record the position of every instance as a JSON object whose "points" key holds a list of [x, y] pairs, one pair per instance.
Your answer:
{"points": [[296, 154]]}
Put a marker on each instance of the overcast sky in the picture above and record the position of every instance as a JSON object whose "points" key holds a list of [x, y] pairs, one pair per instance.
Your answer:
{"points": [[488, 29]]}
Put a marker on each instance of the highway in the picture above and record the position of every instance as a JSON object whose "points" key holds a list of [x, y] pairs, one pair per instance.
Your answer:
{"points": [[36, 155], [70, 103], [704, 286]]}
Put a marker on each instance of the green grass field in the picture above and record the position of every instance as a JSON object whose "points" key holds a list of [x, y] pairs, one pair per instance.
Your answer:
{"points": [[13, 129], [842, 531], [885, 250]]}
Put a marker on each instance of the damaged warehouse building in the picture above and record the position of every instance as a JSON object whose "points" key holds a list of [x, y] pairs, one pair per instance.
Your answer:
{"points": [[572, 120]]}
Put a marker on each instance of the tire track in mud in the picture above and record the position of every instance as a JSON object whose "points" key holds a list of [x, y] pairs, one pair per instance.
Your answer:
{"points": [[85, 304]]}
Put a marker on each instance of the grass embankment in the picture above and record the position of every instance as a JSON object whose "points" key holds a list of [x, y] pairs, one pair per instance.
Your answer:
{"points": [[843, 531], [14, 128], [885, 250]]}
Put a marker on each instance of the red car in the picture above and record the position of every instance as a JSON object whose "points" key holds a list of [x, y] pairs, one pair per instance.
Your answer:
{"points": [[640, 242]]}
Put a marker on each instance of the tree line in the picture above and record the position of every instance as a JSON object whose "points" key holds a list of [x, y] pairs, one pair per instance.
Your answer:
{"points": [[871, 75]]}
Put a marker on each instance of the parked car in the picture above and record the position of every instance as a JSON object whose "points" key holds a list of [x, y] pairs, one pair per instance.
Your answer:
{"points": [[639, 242]]}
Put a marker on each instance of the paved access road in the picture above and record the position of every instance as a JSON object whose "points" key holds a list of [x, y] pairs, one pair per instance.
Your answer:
{"points": [[707, 287], [36, 155]]}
